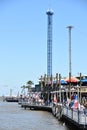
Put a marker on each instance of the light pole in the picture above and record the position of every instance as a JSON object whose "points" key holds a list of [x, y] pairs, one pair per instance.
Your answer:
{"points": [[70, 69]]}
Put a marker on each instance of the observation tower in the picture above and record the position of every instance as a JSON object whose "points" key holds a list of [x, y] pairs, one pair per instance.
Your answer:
{"points": [[49, 42]]}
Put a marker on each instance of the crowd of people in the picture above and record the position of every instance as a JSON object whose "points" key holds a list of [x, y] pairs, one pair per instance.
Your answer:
{"points": [[38, 99]]}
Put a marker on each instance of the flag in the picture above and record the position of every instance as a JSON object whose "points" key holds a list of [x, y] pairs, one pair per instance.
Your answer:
{"points": [[74, 104]]}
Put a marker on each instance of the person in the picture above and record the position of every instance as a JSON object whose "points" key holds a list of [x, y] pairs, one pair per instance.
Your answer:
{"points": [[85, 111], [82, 107]]}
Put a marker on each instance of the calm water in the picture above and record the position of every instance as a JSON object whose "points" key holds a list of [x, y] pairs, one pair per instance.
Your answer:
{"points": [[13, 117]]}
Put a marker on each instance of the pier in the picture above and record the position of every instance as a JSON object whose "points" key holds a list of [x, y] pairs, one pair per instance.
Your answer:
{"points": [[59, 100], [37, 107], [73, 117]]}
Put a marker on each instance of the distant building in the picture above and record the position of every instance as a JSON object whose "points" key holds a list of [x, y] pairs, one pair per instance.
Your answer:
{"points": [[37, 88], [33, 89]]}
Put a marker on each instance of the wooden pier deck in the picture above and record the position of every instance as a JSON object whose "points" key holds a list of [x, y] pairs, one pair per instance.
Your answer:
{"points": [[37, 107], [76, 118], [73, 117]]}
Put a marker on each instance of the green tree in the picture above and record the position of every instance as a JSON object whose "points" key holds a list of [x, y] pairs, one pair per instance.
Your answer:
{"points": [[29, 85], [23, 88]]}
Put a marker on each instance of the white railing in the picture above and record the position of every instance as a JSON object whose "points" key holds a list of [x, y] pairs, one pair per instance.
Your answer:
{"points": [[76, 115]]}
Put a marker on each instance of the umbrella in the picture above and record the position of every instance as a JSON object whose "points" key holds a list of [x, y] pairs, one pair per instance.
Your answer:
{"points": [[73, 80]]}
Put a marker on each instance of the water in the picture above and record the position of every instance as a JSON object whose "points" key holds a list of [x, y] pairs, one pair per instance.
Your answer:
{"points": [[13, 117]]}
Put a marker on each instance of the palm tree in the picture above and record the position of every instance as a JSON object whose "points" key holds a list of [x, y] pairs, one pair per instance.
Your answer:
{"points": [[23, 88], [29, 85]]}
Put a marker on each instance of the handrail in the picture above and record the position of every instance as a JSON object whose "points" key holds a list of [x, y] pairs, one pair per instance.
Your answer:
{"points": [[76, 115]]}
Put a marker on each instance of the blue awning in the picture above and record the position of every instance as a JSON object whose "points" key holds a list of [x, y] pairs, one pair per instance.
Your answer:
{"points": [[63, 82], [83, 80]]}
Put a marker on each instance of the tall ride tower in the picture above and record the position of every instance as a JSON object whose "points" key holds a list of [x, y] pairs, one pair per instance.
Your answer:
{"points": [[49, 43]]}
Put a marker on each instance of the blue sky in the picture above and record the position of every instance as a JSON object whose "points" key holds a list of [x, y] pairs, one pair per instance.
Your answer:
{"points": [[23, 40]]}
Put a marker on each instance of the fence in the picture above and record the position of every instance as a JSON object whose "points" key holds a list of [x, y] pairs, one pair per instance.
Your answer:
{"points": [[76, 115]]}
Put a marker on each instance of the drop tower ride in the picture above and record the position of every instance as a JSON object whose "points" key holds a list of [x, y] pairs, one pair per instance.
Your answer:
{"points": [[49, 42]]}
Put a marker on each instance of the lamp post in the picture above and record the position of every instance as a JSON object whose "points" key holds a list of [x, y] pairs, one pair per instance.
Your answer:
{"points": [[70, 70]]}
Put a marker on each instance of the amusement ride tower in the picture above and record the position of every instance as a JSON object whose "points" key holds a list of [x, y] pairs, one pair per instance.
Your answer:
{"points": [[49, 43]]}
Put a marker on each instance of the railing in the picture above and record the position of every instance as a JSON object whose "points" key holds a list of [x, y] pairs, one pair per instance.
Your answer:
{"points": [[76, 115], [26, 101]]}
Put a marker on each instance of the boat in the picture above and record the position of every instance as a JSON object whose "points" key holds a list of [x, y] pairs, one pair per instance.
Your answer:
{"points": [[11, 99]]}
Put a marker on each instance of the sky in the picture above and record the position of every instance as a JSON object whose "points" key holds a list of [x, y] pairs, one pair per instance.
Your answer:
{"points": [[23, 40]]}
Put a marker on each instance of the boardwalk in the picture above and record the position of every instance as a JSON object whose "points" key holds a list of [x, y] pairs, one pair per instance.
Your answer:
{"points": [[75, 117], [36, 106]]}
